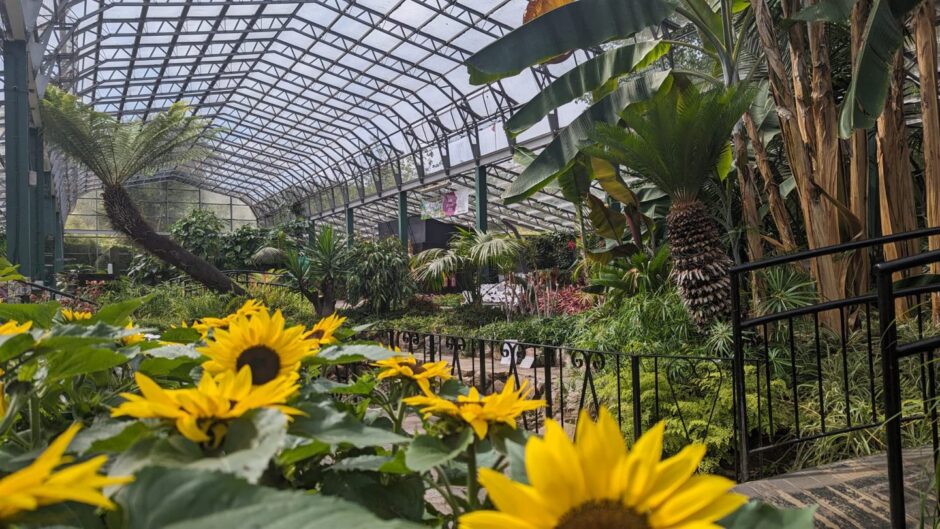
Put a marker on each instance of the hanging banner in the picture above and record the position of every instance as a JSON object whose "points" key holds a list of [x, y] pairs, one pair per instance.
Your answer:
{"points": [[451, 204]]}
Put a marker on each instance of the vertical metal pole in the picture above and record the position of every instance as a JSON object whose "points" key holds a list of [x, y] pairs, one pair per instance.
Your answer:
{"points": [[350, 226], [482, 192], [483, 387], [740, 403], [58, 250], [36, 193], [403, 218], [16, 107], [635, 401], [892, 391]]}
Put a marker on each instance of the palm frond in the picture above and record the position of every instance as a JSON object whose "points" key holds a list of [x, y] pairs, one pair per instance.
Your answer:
{"points": [[676, 139], [116, 151]]}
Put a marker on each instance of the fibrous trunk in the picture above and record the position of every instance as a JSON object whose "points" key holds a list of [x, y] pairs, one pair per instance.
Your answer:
{"points": [[126, 218], [701, 268], [926, 37], [858, 160]]}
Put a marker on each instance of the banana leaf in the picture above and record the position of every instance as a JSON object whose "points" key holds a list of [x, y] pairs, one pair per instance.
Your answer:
{"points": [[871, 74], [608, 223], [834, 11], [560, 153], [579, 25], [585, 77]]}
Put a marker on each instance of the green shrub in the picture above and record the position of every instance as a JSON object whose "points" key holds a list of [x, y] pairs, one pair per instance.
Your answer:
{"points": [[535, 330], [381, 276]]}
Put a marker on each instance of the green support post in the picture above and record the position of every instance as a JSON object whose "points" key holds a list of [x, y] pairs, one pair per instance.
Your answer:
{"points": [[50, 226], [482, 193], [350, 226], [58, 249], [403, 218], [16, 117]]}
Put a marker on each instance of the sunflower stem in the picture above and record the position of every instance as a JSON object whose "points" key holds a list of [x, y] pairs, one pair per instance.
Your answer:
{"points": [[35, 421], [473, 484]]}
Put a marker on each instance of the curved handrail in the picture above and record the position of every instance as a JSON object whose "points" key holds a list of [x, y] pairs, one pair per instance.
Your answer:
{"points": [[836, 248]]}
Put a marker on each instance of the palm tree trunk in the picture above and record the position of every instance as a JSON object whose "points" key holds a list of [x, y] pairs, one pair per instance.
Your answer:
{"points": [[701, 267], [858, 160], [818, 217], [126, 218], [749, 198], [896, 185], [327, 304], [778, 210], [926, 37]]}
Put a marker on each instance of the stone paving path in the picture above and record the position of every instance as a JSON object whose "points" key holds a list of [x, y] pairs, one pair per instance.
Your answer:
{"points": [[853, 493]]}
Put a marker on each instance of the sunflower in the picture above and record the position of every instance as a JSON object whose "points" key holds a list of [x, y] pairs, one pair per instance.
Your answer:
{"points": [[261, 343], [409, 368], [250, 308], [324, 330], [132, 339], [13, 327], [201, 413], [70, 315], [596, 483], [40, 484], [480, 411]]}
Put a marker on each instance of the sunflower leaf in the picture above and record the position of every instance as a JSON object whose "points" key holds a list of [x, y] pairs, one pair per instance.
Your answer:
{"points": [[759, 514], [426, 451], [351, 354], [166, 498], [326, 424]]}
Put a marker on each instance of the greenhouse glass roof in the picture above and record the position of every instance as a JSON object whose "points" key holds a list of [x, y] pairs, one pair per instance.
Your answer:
{"points": [[322, 103]]}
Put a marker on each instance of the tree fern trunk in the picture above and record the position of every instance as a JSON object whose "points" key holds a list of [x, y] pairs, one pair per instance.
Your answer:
{"points": [[701, 268], [126, 218]]}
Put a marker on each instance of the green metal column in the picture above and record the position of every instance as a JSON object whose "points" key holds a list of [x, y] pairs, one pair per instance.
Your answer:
{"points": [[16, 117], [49, 223], [350, 226], [58, 249], [403, 218], [482, 193]]}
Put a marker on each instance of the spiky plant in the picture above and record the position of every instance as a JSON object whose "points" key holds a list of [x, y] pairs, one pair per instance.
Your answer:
{"points": [[466, 255], [116, 151], [679, 140]]}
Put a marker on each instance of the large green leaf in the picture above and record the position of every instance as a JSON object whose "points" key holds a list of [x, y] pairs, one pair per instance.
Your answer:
{"points": [[326, 424], [82, 361], [608, 223], [606, 175], [574, 183], [578, 25], [874, 67], [757, 514], [167, 498], [13, 345], [559, 154], [584, 78], [250, 443], [350, 354], [834, 11], [118, 313], [40, 314], [427, 451], [398, 497]]}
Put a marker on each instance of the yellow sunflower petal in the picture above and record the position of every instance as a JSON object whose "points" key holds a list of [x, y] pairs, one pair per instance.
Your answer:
{"points": [[516, 499], [697, 494], [672, 474], [641, 464], [554, 468], [493, 520], [600, 445]]}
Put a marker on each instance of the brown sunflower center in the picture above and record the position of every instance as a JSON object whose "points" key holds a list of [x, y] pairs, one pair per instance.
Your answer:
{"points": [[263, 361], [604, 514], [417, 369], [317, 334]]}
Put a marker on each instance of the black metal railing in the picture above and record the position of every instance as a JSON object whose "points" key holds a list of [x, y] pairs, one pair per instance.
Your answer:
{"points": [[893, 353], [639, 389], [817, 367]]}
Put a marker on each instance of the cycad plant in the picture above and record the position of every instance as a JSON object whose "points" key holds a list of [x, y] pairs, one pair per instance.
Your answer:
{"points": [[678, 141], [116, 151], [319, 270], [467, 254]]}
